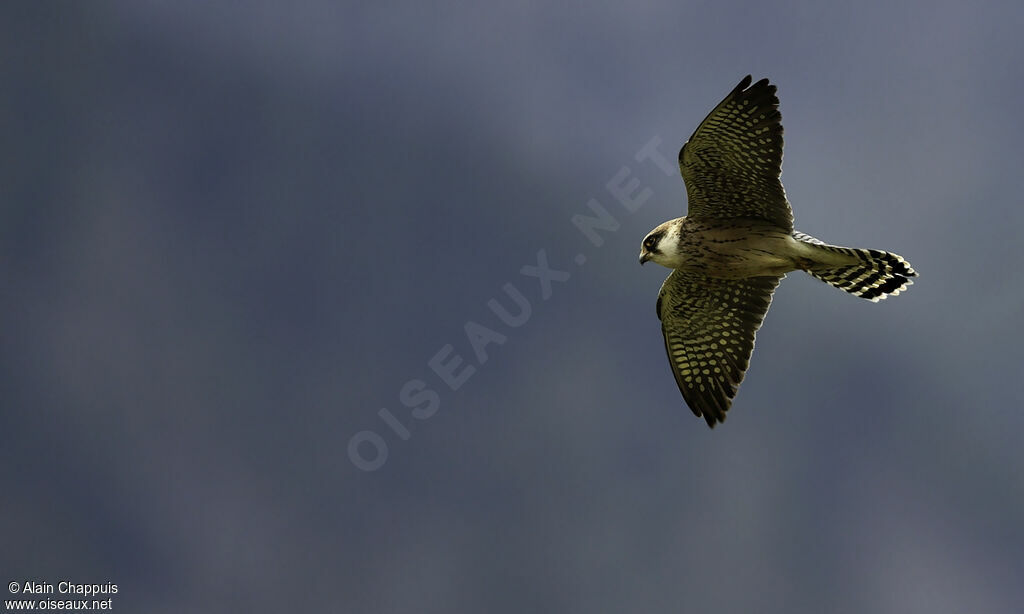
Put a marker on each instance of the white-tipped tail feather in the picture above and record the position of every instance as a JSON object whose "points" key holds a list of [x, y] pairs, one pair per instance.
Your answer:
{"points": [[868, 273]]}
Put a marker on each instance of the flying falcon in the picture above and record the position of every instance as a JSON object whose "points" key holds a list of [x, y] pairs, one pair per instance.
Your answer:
{"points": [[735, 245]]}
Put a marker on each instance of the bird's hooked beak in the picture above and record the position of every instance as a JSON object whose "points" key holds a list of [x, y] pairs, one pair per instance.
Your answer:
{"points": [[644, 256]]}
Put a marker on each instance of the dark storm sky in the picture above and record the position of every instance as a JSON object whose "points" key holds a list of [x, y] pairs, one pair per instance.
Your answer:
{"points": [[232, 233]]}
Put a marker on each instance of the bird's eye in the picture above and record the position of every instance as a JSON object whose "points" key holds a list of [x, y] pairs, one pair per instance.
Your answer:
{"points": [[649, 242]]}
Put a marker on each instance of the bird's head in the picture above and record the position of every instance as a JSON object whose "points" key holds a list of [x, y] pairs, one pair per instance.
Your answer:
{"points": [[662, 244]]}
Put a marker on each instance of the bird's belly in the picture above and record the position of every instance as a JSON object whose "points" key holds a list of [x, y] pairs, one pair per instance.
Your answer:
{"points": [[737, 253]]}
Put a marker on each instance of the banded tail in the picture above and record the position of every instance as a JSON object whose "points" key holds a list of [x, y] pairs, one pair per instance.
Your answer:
{"points": [[868, 273]]}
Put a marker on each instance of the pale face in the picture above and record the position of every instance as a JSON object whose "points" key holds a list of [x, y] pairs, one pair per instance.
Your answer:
{"points": [[661, 245]]}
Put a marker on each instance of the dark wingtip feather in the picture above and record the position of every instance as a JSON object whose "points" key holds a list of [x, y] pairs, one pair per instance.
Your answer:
{"points": [[714, 420]]}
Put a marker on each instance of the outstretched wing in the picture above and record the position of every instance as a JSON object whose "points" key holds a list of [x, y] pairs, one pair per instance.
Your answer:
{"points": [[732, 163], [709, 326]]}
